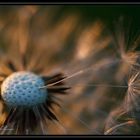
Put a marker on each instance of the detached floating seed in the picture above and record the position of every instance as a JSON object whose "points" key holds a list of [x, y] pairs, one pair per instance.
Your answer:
{"points": [[22, 89]]}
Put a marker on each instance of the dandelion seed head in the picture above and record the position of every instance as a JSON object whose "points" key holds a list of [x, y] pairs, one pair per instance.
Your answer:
{"points": [[21, 89]]}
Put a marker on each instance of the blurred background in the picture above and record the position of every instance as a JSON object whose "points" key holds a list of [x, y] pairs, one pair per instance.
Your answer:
{"points": [[100, 42]]}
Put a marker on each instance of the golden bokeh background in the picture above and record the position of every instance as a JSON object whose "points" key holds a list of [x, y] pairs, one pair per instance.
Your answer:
{"points": [[94, 40]]}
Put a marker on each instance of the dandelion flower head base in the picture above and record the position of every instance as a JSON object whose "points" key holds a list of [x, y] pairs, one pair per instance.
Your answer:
{"points": [[21, 89]]}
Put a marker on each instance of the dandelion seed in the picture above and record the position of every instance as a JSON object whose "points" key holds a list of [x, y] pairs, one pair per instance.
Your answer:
{"points": [[120, 122], [132, 103], [28, 104], [113, 129]]}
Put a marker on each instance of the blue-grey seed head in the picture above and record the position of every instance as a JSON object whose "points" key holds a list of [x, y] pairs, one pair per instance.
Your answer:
{"points": [[22, 89]]}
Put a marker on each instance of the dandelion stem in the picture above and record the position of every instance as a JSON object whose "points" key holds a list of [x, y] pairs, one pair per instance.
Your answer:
{"points": [[80, 72], [73, 75], [83, 71], [96, 85], [90, 85], [37, 113], [116, 126], [102, 85], [79, 119], [60, 126]]}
